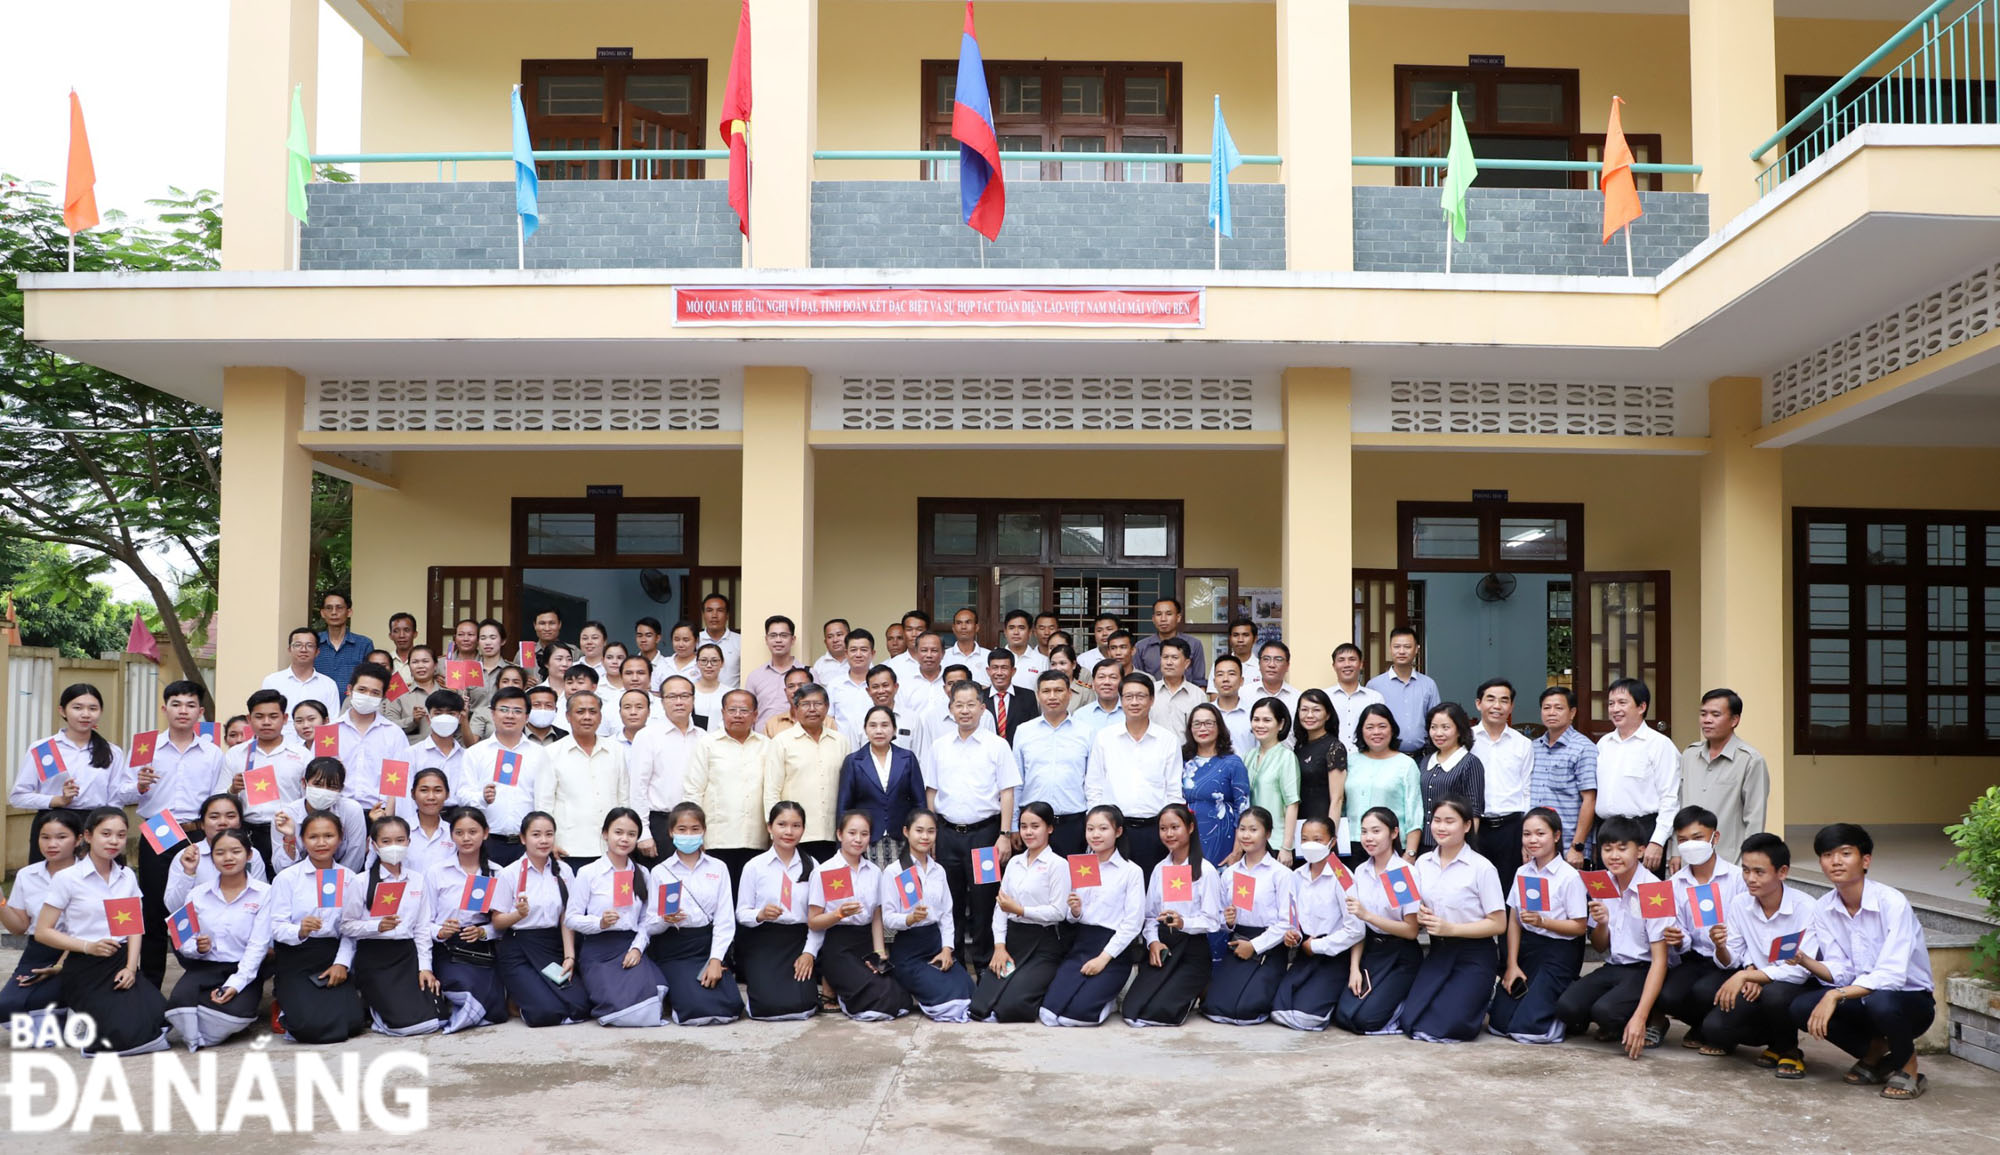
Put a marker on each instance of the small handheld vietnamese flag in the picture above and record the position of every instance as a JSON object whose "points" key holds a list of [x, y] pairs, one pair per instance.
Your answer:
{"points": [[1401, 887], [462, 675], [1341, 872], [141, 753], [1177, 883], [326, 742], [161, 831], [124, 916], [395, 778], [507, 768], [621, 887], [260, 785], [397, 687], [985, 865], [1083, 871], [785, 891], [330, 885], [388, 898], [1600, 884], [837, 884], [1656, 900], [477, 897], [1705, 902], [1534, 894], [183, 927], [529, 652], [670, 899], [910, 885], [1243, 890], [1786, 947], [48, 761]]}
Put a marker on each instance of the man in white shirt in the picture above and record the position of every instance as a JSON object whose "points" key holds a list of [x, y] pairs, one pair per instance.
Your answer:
{"points": [[1175, 696], [1242, 646], [1100, 632], [1106, 709], [657, 764], [1509, 758], [915, 624], [585, 780], [1136, 766], [715, 630], [1349, 696], [1274, 662], [505, 806], [832, 665], [267, 747], [300, 682], [847, 689], [361, 737], [1638, 769], [1227, 681], [970, 778], [1029, 662], [965, 648]]}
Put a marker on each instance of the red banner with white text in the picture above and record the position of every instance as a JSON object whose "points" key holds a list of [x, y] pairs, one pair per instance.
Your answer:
{"points": [[897, 305]]}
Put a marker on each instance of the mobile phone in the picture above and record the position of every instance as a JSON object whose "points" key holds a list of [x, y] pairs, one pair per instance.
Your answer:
{"points": [[1517, 988], [554, 973], [319, 980], [1007, 968]]}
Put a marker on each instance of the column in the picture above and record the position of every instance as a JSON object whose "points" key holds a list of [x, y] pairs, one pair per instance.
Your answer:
{"points": [[1318, 520], [266, 527], [1743, 535], [784, 130], [1316, 135], [777, 504], [1733, 86], [273, 45]]}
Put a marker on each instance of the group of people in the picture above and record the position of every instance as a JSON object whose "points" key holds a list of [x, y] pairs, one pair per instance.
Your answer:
{"points": [[408, 842]]}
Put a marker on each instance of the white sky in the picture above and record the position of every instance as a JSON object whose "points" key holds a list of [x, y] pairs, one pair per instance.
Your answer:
{"points": [[143, 139]]}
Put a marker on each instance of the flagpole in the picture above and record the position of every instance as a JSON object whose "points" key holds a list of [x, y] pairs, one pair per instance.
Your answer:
{"points": [[1628, 250], [72, 252], [1447, 248], [1218, 248], [982, 249], [520, 244]]}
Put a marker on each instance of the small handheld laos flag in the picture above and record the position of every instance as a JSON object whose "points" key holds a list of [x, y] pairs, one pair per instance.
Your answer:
{"points": [[1177, 883], [837, 884], [1534, 894], [670, 899], [985, 865], [621, 887], [1600, 884], [162, 831], [330, 887], [395, 778], [1786, 946], [260, 786], [477, 897], [141, 753], [183, 927], [1705, 903], [1401, 887], [48, 761], [507, 768], [1656, 900], [1083, 871], [123, 916], [388, 898], [910, 885]]}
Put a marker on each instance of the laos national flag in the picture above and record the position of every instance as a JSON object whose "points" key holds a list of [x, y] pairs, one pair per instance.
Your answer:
{"points": [[48, 761], [670, 899], [982, 189], [1401, 887], [183, 927], [1705, 903], [162, 832], [331, 886], [477, 897], [911, 885], [1534, 894], [507, 768], [985, 865], [1787, 946]]}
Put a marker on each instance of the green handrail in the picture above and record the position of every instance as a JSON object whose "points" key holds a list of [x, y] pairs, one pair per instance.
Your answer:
{"points": [[1853, 74], [1521, 165], [1043, 156]]}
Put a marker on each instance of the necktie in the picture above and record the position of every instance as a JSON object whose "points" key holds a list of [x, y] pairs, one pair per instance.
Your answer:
{"points": [[1000, 712]]}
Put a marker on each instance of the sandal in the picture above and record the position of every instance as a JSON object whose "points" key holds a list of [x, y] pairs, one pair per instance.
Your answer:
{"points": [[1791, 1067], [1867, 1074], [1768, 1059], [1692, 1042], [1903, 1085], [1715, 1052], [1655, 1036]]}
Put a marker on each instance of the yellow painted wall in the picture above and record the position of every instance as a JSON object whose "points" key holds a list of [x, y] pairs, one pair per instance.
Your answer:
{"points": [[456, 509], [865, 517], [1891, 790]]}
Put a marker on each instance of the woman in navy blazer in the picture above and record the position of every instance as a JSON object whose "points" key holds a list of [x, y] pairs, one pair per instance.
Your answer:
{"points": [[882, 781]]}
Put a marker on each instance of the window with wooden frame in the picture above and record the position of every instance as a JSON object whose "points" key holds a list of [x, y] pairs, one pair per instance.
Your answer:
{"points": [[609, 104], [1511, 114], [1896, 631], [1078, 106]]}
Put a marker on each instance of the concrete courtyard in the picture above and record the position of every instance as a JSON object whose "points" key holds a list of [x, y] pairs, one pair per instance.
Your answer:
{"points": [[831, 1087]]}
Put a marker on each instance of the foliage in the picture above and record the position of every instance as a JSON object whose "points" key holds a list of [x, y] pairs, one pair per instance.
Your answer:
{"points": [[57, 604], [1978, 840], [332, 537]]}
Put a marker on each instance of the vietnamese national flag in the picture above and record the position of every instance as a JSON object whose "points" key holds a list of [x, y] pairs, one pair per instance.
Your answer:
{"points": [[1621, 192], [982, 187], [910, 885], [670, 899], [477, 897], [1600, 884], [1083, 871], [1705, 902], [1401, 887], [736, 122], [260, 785], [785, 891], [463, 675], [1177, 883], [48, 761], [1534, 894], [397, 687], [985, 865], [527, 655], [331, 887], [1243, 890], [1787, 946], [162, 832], [326, 742], [1341, 872], [621, 887], [141, 754], [80, 190], [1656, 900], [507, 768], [395, 778], [183, 927], [388, 898], [124, 916], [837, 885]]}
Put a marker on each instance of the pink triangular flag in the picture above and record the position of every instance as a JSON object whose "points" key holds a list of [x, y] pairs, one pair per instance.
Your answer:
{"points": [[141, 642]]}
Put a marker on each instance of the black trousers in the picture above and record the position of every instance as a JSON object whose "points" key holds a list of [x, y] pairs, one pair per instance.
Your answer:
{"points": [[153, 869], [1689, 992], [1898, 1018], [260, 841], [502, 850], [1500, 844], [661, 831], [1142, 844], [735, 858], [971, 906], [1608, 996], [818, 850], [1067, 838], [1765, 1022]]}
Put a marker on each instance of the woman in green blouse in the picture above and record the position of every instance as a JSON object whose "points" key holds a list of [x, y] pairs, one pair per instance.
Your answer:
{"points": [[1274, 771], [1383, 776]]}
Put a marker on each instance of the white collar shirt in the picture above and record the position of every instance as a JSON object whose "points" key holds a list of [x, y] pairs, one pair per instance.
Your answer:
{"points": [[706, 901], [935, 899], [1466, 889], [1270, 899], [726, 778], [295, 897], [186, 776], [510, 804], [1567, 897], [1141, 776], [771, 881], [238, 930], [578, 789], [80, 893], [1509, 761], [969, 774], [1753, 934], [1323, 915], [1117, 902], [1632, 934], [110, 785], [181, 884], [658, 763], [1637, 776], [1200, 910], [1039, 881], [1880, 947], [316, 687], [1728, 880], [596, 891], [544, 887]]}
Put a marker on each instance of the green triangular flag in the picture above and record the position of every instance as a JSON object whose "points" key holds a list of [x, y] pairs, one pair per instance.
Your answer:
{"points": [[298, 158], [1460, 171]]}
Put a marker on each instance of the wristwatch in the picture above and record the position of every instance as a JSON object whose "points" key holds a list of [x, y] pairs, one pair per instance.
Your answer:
{"points": [[1576, 846]]}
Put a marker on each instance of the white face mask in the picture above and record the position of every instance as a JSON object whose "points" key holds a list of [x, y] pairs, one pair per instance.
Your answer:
{"points": [[541, 719], [1695, 853], [364, 704], [393, 854], [444, 725], [320, 798], [1313, 851]]}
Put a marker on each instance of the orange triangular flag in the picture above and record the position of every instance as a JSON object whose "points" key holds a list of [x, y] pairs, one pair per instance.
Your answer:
{"points": [[80, 191], [1621, 195]]}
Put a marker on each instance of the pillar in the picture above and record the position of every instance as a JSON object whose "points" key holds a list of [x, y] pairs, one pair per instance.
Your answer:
{"points": [[1318, 520], [1743, 535], [784, 131], [1733, 81], [1316, 135], [777, 504], [273, 45], [266, 527]]}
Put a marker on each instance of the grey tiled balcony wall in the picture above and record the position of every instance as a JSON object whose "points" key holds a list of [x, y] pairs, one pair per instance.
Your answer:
{"points": [[1545, 231]]}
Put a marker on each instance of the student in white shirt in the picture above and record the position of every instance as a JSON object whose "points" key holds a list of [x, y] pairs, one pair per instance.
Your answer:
{"points": [[1381, 969], [462, 939], [193, 867], [1620, 995], [23, 993], [771, 934], [430, 830], [325, 778], [680, 659], [269, 745], [392, 951], [1873, 956], [1544, 945], [919, 916], [1257, 911], [1179, 922], [607, 910], [1108, 918], [1323, 930], [536, 958], [1755, 1005], [221, 977], [73, 769], [1028, 916], [689, 943], [101, 977], [845, 917], [1462, 911], [309, 958], [300, 682], [1698, 971]]}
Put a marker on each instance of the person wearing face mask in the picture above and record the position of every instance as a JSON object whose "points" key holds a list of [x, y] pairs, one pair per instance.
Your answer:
{"points": [[689, 943], [361, 738], [325, 782], [1692, 985], [442, 749], [542, 729]]}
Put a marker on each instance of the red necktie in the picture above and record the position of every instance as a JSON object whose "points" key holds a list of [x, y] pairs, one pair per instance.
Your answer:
{"points": [[1001, 712]]}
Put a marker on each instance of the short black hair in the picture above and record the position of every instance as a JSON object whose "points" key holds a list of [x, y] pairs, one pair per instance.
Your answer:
{"points": [[497, 625], [337, 592], [651, 623], [1179, 645], [1494, 684], [1734, 699], [961, 667], [1174, 602], [1768, 845], [1404, 631], [308, 631], [579, 670], [1641, 696], [841, 622], [530, 693], [1114, 635], [1345, 647], [1275, 644], [861, 635], [1232, 659], [917, 614], [265, 698], [775, 619], [1051, 676], [182, 686], [1626, 830], [1695, 816], [508, 694], [445, 701], [370, 670], [882, 668], [1000, 654], [716, 597], [402, 616], [1564, 692], [1833, 837], [1024, 615]]}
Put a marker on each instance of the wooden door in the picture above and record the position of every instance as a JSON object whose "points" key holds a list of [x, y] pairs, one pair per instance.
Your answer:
{"points": [[1624, 625], [457, 592], [1379, 607]]}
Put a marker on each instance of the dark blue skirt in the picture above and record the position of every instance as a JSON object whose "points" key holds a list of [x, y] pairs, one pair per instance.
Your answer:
{"points": [[1162, 996], [311, 1013], [620, 996], [470, 977], [16, 999], [1448, 1000], [1075, 999], [1388, 966], [1551, 965], [521, 955], [385, 970], [681, 955], [943, 995], [131, 1021], [1242, 990], [1311, 989]]}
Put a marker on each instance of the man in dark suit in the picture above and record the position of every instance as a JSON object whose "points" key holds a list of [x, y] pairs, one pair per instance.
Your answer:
{"points": [[1010, 705]]}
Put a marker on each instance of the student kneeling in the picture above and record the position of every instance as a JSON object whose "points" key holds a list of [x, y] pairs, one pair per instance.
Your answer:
{"points": [[1620, 995], [845, 917], [1107, 902], [1769, 928]]}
